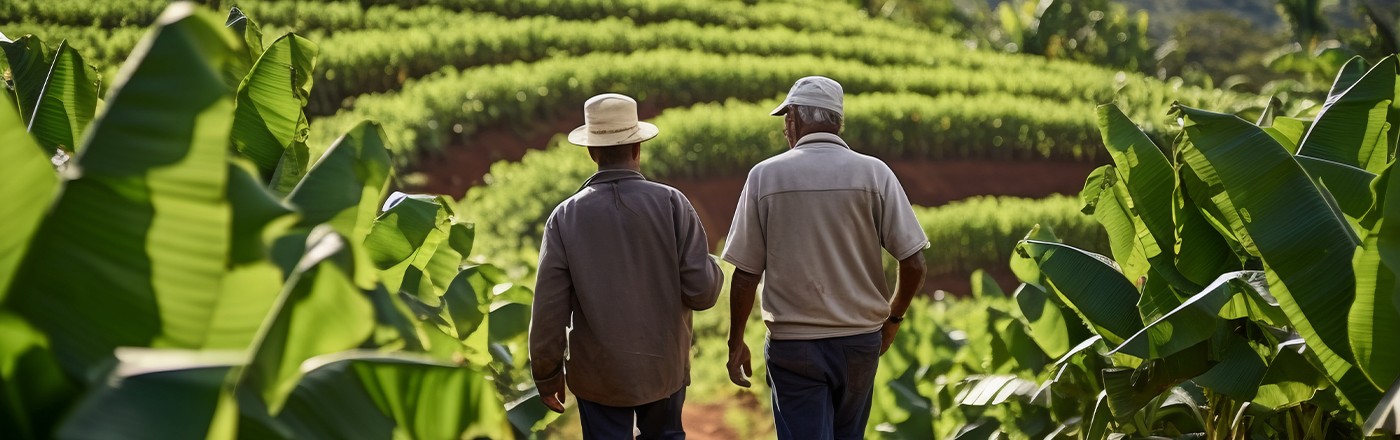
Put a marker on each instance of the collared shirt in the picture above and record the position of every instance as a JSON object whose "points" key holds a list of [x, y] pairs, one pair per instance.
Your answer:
{"points": [[624, 261], [813, 221]]}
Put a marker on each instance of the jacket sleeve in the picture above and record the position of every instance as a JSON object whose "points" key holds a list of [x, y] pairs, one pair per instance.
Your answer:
{"points": [[552, 309], [700, 275]]}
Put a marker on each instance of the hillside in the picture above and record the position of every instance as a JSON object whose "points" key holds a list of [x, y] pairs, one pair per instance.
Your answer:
{"points": [[465, 89]]}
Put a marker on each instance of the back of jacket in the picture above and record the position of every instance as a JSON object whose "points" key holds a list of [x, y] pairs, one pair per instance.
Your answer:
{"points": [[623, 261]]}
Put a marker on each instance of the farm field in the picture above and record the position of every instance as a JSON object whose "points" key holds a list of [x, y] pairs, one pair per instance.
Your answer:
{"points": [[321, 218]]}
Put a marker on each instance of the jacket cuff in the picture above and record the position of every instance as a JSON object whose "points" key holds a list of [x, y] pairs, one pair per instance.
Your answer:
{"points": [[554, 381]]}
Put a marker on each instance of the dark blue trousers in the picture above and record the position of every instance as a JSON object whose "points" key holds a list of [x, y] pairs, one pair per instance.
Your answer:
{"points": [[657, 420], [822, 387]]}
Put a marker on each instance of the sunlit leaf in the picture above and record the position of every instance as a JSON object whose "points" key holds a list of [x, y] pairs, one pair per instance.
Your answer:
{"points": [[68, 101], [373, 395], [29, 187], [320, 311], [155, 168]]}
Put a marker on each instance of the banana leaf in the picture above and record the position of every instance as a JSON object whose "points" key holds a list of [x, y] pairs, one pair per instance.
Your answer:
{"points": [[155, 167], [1128, 390], [1291, 380], [160, 394], [1374, 315], [1196, 320], [243, 25], [320, 311], [1306, 249], [67, 103], [1351, 186], [35, 394], [1149, 181], [1352, 128], [1090, 285], [28, 188], [269, 126], [1106, 198], [344, 189], [382, 396], [1049, 326], [29, 60]]}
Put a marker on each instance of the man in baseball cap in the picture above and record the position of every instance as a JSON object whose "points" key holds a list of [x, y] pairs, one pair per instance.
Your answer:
{"points": [[812, 223], [622, 265]]}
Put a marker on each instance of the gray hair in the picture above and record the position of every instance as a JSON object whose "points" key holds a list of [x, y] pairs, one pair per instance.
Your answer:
{"points": [[819, 116]]}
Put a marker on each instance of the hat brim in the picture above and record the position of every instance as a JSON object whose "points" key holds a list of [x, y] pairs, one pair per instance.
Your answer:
{"points": [[583, 138], [782, 109]]}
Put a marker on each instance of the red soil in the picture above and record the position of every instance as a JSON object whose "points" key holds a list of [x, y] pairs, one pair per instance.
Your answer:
{"points": [[927, 182]]}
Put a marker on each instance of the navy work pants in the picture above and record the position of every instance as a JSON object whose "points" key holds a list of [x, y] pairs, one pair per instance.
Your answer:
{"points": [[822, 387], [656, 420]]}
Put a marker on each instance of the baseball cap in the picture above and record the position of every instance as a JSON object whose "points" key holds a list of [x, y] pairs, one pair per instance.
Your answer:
{"points": [[815, 91]]}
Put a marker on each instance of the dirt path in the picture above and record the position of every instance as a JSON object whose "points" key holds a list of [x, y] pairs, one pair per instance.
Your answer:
{"points": [[707, 422]]}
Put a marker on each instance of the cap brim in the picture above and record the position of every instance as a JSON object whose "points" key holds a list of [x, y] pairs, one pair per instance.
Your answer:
{"points": [[581, 137], [781, 109]]}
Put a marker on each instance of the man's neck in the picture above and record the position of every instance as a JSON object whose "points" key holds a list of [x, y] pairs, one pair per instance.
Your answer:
{"points": [[625, 167]]}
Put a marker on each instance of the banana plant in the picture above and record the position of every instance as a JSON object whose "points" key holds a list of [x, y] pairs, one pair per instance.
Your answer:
{"points": [[1253, 265], [222, 292]]}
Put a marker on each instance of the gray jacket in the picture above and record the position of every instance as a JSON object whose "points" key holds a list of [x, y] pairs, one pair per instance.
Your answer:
{"points": [[622, 265]]}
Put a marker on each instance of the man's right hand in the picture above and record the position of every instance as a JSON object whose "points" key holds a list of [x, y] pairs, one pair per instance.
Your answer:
{"points": [[740, 369], [553, 397]]}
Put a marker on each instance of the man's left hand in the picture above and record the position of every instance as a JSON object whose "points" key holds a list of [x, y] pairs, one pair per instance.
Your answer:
{"points": [[887, 333]]}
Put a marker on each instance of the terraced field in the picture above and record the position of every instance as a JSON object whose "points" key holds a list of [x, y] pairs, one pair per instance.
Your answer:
{"points": [[465, 89]]}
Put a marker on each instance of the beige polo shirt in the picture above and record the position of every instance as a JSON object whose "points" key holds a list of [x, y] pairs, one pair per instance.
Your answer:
{"points": [[813, 221]]}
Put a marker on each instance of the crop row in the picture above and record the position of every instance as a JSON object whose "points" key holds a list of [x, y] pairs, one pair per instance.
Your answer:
{"points": [[380, 60], [354, 63], [376, 60], [981, 232], [713, 139], [334, 16], [425, 111], [710, 140]]}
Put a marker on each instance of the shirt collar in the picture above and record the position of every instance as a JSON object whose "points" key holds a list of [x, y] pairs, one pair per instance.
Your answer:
{"points": [[605, 176], [821, 137]]}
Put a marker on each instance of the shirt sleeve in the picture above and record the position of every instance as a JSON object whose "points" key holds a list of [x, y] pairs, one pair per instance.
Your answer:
{"points": [[745, 247], [552, 309], [700, 274], [900, 233]]}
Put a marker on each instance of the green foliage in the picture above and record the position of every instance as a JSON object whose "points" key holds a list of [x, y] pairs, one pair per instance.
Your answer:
{"points": [[982, 231], [1199, 326], [1242, 320], [205, 304], [520, 94], [711, 140]]}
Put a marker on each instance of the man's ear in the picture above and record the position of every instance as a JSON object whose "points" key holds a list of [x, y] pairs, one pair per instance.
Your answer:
{"points": [[637, 151], [593, 154]]}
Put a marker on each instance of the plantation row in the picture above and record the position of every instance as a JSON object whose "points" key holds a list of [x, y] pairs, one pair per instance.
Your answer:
{"points": [[981, 232], [334, 16], [423, 113], [978, 233], [715, 140], [354, 63]]}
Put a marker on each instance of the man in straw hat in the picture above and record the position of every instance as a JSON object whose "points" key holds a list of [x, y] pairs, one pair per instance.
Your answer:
{"points": [[622, 265], [812, 222]]}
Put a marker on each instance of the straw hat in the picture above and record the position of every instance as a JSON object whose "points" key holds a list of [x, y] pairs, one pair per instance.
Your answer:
{"points": [[611, 119]]}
